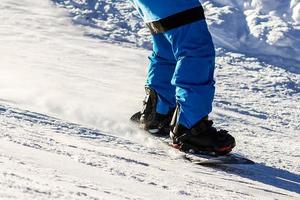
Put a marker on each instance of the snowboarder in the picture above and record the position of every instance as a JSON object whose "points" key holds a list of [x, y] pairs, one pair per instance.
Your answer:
{"points": [[180, 84]]}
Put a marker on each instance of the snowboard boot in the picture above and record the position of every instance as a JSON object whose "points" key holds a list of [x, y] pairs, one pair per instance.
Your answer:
{"points": [[202, 137], [149, 120]]}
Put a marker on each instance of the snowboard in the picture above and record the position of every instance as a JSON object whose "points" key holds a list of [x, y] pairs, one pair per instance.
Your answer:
{"points": [[229, 159], [208, 158], [201, 158]]}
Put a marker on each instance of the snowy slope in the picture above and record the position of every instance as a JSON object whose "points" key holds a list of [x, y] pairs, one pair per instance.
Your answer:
{"points": [[258, 27], [87, 80], [267, 29]]}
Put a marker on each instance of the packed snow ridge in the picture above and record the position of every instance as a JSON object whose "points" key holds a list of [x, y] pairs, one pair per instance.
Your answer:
{"points": [[268, 29]]}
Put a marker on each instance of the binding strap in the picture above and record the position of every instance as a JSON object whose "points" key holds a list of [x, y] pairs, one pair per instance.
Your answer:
{"points": [[177, 20]]}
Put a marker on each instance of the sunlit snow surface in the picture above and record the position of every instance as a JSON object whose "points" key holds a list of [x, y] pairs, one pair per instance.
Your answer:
{"points": [[267, 29], [67, 91]]}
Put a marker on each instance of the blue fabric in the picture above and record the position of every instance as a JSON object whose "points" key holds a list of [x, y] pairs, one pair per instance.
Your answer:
{"points": [[182, 66], [153, 10]]}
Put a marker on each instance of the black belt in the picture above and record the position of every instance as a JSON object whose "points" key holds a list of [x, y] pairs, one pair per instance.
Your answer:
{"points": [[177, 20]]}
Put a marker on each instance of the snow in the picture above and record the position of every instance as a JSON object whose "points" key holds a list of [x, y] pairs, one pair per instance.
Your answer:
{"points": [[266, 29], [260, 28], [72, 76]]}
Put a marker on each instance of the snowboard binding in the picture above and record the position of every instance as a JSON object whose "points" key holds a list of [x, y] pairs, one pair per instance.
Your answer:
{"points": [[202, 137], [148, 119]]}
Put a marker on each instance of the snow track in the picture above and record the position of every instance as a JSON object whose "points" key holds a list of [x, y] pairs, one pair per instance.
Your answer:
{"points": [[44, 157]]}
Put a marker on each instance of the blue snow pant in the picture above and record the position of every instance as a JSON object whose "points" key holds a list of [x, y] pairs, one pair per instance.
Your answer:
{"points": [[181, 71]]}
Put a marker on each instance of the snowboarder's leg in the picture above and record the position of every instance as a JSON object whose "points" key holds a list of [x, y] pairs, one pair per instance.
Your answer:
{"points": [[194, 74], [194, 80], [160, 72], [160, 101]]}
